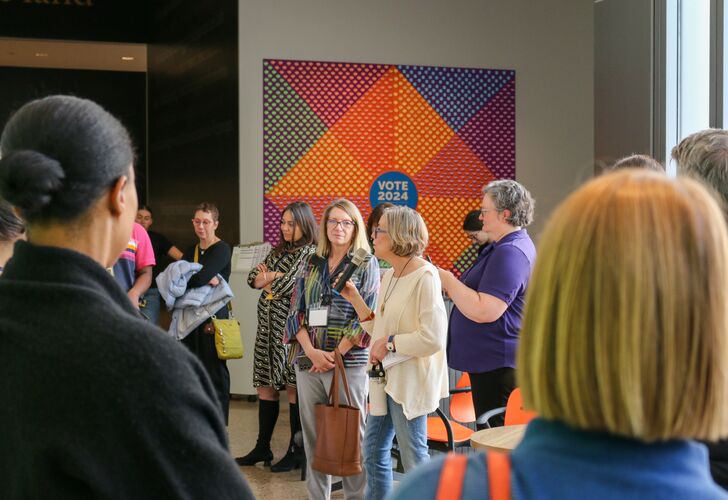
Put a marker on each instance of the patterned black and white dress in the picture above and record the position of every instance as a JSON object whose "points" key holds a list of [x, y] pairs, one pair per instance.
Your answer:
{"points": [[270, 363]]}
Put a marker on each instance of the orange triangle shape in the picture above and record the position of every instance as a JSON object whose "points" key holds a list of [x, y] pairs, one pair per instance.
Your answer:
{"points": [[327, 168], [455, 171], [420, 132], [367, 128]]}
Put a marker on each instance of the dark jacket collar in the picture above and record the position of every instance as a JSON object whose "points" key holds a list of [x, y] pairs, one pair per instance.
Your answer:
{"points": [[53, 265]]}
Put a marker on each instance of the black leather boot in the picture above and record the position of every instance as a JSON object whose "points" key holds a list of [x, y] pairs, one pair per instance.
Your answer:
{"points": [[293, 459], [255, 456], [267, 417]]}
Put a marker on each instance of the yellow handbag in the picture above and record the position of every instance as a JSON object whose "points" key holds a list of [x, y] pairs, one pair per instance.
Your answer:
{"points": [[228, 343]]}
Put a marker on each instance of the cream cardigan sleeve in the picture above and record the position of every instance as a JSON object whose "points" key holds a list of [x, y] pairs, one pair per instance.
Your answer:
{"points": [[431, 335]]}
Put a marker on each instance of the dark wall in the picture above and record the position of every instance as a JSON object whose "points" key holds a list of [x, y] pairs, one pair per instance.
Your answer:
{"points": [[96, 20], [193, 115], [122, 94]]}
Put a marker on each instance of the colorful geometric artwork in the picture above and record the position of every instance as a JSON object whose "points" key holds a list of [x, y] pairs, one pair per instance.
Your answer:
{"points": [[427, 137]]}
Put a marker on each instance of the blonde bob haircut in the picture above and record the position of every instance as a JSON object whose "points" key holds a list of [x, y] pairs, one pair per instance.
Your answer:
{"points": [[406, 231], [358, 239], [626, 320]]}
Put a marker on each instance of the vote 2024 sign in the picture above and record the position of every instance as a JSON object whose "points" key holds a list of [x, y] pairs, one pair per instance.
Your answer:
{"points": [[425, 137], [393, 187]]}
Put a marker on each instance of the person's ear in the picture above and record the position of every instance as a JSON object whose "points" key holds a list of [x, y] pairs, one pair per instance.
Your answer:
{"points": [[117, 196], [506, 215]]}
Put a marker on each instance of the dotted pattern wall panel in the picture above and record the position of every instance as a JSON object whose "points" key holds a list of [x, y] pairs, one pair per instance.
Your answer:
{"points": [[422, 136]]}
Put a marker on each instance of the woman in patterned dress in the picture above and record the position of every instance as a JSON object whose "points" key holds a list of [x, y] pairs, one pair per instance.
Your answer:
{"points": [[271, 372]]}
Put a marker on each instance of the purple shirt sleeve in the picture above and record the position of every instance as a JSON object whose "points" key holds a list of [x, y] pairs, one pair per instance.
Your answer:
{"points": [[506, 274]]}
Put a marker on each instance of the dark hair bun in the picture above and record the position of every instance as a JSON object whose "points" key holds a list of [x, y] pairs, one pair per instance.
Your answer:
{"points": [[29, 179]]}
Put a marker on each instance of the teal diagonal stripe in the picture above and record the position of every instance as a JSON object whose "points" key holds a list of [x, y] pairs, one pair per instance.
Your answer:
{"points": [[290, 127]]}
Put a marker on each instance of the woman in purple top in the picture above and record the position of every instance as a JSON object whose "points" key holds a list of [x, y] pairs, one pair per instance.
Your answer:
{"points": [[489, 297]]}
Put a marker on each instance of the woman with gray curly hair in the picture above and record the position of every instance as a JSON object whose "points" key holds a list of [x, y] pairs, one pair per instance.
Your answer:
{"points": [[489, 298]]}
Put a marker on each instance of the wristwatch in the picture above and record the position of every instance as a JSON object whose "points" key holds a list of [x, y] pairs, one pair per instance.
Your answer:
{"points": [[390, 344]]}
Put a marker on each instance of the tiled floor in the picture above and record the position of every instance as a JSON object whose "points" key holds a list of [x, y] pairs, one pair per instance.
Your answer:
{"points": [[243, 429]]}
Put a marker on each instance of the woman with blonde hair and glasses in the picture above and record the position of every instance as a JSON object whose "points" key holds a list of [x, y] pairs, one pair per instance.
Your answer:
{"points": [[409, 323], [623, 349], [321, 320]]}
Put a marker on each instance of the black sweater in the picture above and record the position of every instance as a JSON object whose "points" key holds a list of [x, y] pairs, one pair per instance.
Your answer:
{"points": [[94, 401]]}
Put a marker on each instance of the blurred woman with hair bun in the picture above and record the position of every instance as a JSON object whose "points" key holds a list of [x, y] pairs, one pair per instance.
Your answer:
{"points": [[97, 403]]}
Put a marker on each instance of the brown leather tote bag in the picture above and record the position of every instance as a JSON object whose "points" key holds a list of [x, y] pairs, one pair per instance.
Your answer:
{"points": [[338, 448]]}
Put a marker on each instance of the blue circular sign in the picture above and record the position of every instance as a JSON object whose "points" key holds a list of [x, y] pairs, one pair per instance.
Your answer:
{"points": [[393, 187]]}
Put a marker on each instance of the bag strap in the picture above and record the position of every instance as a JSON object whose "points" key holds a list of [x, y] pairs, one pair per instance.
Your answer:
{"points": [[339, 370], [197, 253], [499, 475], [452, 476]]}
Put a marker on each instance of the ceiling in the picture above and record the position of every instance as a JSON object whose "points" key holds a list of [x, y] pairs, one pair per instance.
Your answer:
{"points": [[36, 53]]}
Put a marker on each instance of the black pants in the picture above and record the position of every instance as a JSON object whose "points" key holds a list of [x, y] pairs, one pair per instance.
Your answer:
{"points": [[491, 390], [203, 346]]}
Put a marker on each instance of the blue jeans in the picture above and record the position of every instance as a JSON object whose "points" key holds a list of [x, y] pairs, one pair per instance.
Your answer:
{"points": [[153, 303], [378, 438]]}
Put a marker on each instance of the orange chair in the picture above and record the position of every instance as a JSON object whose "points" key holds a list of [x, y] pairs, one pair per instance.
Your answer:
{"points": [[461, 401], [515, 414], [444, 434]]}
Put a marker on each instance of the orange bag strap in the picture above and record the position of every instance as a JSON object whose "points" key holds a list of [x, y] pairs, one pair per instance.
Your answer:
{"points": [[452, 477], [499, 475]]}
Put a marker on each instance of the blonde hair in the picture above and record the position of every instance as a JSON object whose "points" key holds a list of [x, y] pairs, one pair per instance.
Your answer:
{"points": [[406, 230], [626, 319], [358, 239]]}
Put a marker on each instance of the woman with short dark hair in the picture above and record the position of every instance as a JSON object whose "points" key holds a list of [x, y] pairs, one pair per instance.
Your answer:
{"points": [[96, 402], [214, 255]]}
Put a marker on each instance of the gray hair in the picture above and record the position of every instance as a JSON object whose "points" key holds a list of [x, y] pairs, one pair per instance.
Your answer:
{"points": [[512, 196], [704, 155]]}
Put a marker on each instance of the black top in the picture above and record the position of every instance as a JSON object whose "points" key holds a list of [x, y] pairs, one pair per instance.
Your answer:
{"points": [[215, 260], [161, 246], [718, 453], [97, 402]]}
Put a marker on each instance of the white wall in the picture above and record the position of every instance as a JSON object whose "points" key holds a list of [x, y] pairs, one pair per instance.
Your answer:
{"points": [[549, 43]]}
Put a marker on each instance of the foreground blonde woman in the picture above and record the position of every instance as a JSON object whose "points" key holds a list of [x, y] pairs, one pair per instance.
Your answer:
{"points": [[623, 349]]}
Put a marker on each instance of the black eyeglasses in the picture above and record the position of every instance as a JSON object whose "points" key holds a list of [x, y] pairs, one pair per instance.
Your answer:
{"points": [[344, 224]]}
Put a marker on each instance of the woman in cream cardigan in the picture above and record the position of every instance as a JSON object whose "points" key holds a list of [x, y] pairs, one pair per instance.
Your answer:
{"points": [[409, 325]]}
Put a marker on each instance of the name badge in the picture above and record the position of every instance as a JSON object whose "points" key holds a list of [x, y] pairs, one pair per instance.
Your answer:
{"points": [[318, 316]]}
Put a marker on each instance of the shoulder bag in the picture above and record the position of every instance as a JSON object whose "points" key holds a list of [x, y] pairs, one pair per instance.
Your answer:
{"points": [[228, 343], [338, 447]]}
